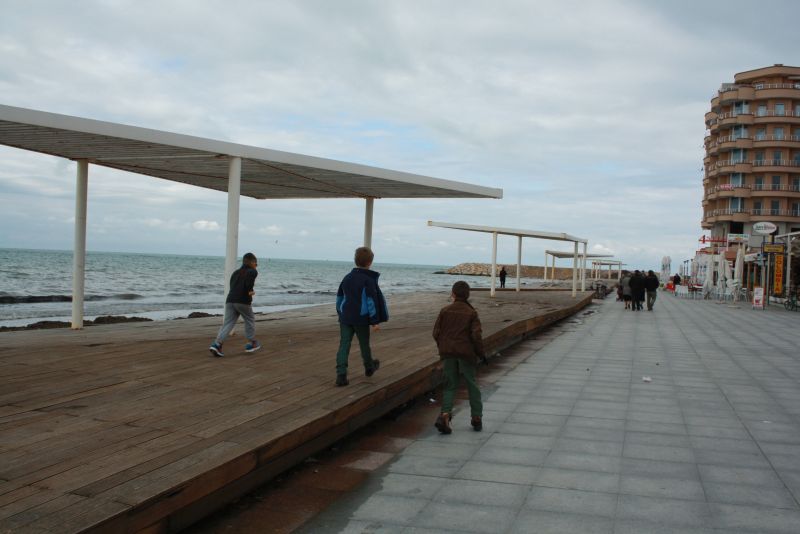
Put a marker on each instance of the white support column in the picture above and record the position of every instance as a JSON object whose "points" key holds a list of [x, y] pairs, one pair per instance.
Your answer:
{"points": [[232, 236], [553, 267], [575, 271], [619, 271], [494, 263], [79, 248], [368, 222], [545, 266], [519, 261], [583, 268]]}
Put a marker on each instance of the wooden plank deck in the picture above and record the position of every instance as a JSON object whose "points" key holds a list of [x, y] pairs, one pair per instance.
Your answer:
{"points": [[134, 427]]}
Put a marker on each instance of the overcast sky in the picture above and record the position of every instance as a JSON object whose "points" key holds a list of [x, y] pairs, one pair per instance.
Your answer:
{"points": [[589, 115]]}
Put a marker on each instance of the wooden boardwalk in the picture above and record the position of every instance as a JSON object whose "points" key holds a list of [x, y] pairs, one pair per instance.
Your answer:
{"points": [[134, 427]]}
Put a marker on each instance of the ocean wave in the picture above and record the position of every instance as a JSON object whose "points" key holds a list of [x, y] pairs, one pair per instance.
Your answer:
{"points": [[33, 299]]}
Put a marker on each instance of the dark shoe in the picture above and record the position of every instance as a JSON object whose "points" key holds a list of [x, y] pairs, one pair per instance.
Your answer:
{"points": [[443, 423], [216, 350], [341, 380], [369, 371], [477, 423]]}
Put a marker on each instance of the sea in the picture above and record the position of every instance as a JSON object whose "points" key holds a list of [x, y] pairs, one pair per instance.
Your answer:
{"points": [[36, 285]]}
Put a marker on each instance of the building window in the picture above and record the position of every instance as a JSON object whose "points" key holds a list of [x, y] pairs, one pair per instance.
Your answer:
{"points": [[762, 110], [780, 109], [759, 158], [757, 207], [795, 183], [738, 155], [776, 157], [776, 183], [797, 107], [761, 134], [777, 133], [758, 185], [796, 209], [736, 179], [736, 204], [775, 207]]}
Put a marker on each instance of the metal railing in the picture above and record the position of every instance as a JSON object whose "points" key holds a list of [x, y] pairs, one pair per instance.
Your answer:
{"points": [[776, 137], [757, 211], [775, 163], [774, 113]]}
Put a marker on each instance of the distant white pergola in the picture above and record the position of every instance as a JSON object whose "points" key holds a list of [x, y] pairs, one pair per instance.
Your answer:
{"points": [[553, 254], [597, 268], [255, 172], [553, 236]]}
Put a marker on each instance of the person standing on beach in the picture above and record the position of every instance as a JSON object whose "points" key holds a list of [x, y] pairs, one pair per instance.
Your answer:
{"points": [[637, 289], [239, 303], [460, 342], [651, 284], [360, 306], [503, 275]]}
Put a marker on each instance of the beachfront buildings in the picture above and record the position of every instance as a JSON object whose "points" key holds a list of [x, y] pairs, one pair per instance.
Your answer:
{"points": [[752, 157]]}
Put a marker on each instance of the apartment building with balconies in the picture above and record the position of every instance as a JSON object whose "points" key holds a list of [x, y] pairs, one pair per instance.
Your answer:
{"points": [[752, 158]]}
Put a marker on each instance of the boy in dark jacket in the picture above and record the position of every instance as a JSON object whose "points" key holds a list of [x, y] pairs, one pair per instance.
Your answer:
{"points": [[239, 302], [651, 285], [360, 306], [459, 338]]}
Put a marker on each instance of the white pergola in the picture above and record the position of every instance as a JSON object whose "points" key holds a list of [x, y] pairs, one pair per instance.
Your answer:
{"points": [[233, 168], [495, 231], [553, 254], [597, 268]]}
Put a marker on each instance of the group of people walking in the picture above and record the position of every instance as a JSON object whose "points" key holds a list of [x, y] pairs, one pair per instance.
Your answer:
{"points": [[361, 308], [637, 287]]}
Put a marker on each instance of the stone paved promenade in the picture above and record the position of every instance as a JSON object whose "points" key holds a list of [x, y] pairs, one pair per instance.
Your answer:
{"points": [[575, 441]]}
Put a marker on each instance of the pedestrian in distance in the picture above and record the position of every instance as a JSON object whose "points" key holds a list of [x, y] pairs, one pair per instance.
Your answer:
{"points": [[676, 280], [459, 338], [627, 294], [360, 306], [637, 289], [503, 275], [651, 284], [239, 303]]}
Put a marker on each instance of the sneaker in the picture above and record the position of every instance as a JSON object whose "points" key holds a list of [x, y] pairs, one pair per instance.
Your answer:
{"points": [[341, 380], [477, 423], [252, 346], [443, 423], [216, 350], [371, 370]]}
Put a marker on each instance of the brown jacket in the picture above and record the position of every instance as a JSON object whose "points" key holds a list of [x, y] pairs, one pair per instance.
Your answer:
{"points": [[458, 332]]}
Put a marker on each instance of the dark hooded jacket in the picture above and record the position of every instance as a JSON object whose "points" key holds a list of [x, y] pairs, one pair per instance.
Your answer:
{"points": [[637, 286], [651, 282], [458, 332], [243, 280], [359, 300]]}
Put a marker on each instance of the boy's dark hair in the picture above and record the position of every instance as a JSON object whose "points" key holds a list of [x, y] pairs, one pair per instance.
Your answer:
{"points": [[461, 290], [364, 256], [248, 258]]}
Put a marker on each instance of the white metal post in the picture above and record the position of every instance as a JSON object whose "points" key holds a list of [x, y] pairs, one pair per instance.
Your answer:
{"points": [[519, 260], [545, 266], [494, 262], [553, 267], [619, 270], [609, 269], [79, 248], [583, 268], [368, 222], [575, 271], [232, 236]]}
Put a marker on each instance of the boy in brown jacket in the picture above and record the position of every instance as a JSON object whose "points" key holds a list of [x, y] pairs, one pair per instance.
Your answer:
{"points": [[458, 335]]}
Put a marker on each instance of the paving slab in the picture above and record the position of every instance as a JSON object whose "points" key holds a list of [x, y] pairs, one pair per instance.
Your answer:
{"points": [[582, 444]]}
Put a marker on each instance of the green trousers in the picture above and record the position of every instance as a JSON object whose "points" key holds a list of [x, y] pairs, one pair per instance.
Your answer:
{"points": [[346, 332], [453, 367]]}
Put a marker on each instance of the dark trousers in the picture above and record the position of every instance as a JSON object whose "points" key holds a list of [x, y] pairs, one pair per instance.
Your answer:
{"points": [[651, 299], [346, 332], [453, 369], [502, 281]]}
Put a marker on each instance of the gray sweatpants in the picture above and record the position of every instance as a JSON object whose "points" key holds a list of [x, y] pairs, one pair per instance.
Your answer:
{"points": [[232, 313]]}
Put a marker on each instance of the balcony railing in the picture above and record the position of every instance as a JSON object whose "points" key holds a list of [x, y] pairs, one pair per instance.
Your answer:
{"points": [[776, 137], [761, 212], [775, 163], [760, 86], [774, 187], [775, 113], [730, 114]]}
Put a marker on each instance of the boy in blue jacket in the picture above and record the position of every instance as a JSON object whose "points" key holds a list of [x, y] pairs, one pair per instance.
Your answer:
{"points": [[360, 306]]}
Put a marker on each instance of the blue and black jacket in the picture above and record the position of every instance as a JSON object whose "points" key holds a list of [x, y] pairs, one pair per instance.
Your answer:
{"points": [[359, 300], [243, 280]]}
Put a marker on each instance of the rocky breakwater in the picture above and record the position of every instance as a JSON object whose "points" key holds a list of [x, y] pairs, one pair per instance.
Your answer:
{"points": [[526, 271]]}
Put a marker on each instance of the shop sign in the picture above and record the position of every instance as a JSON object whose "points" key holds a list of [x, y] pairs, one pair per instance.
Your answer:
{"points": [[777, 281], [774, 248], [764, 228], [758, 298], [738, 238]]}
